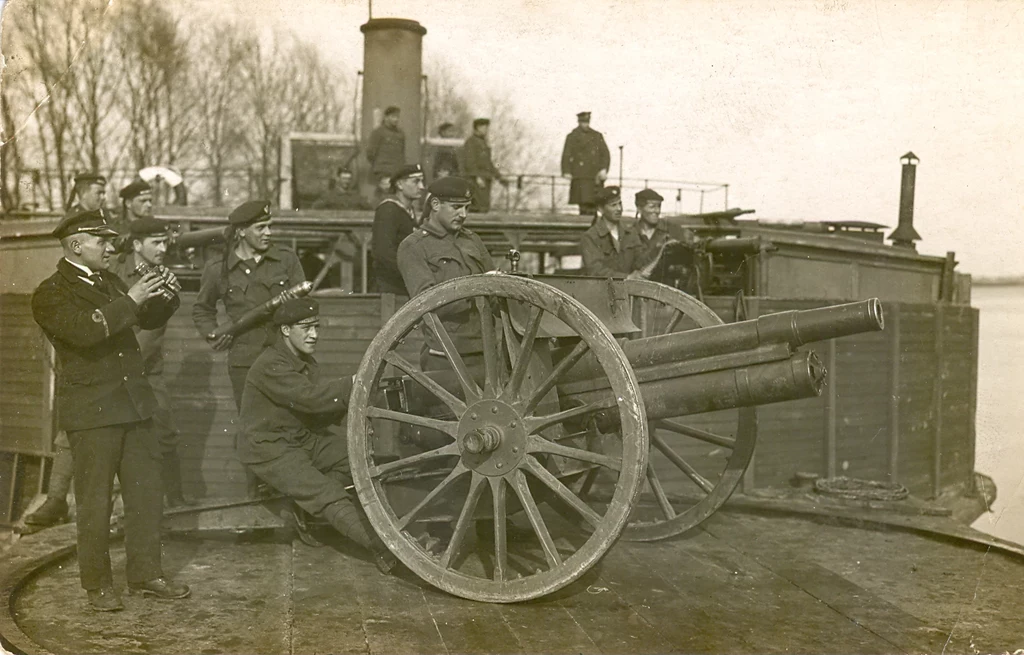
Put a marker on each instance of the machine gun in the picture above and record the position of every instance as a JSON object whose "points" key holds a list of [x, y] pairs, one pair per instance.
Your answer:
{"points": [[569, 415], [703, 265]]}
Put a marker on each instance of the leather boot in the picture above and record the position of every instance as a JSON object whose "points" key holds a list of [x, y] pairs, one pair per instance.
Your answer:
{"points": [[170, 476], [350, 521], [53, 511]]}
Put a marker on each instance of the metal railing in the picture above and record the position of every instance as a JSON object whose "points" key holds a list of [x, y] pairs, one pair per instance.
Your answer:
{"points": [[536, 192]]}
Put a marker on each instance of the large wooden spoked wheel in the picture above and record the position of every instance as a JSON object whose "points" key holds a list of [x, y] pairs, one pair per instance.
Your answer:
{"points": [[503, 435], [691, 472]]}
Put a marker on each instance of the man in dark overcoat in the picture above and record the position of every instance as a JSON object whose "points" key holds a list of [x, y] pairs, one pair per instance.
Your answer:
{"points": [[105, 404], [385, 149], [585, 159], [478, 167]]}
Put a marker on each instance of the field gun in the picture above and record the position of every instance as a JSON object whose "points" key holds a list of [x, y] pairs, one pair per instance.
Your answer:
{"points": [[568, 422]]}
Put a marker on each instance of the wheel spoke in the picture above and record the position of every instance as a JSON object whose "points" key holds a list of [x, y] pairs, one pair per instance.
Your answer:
{"points": [[683, 466], [537, 444], [522, 490], [428, 383], [476, 487], [500, 528], [458, 471], [523, 356], [448, 427], [659, 493], [696, 433], [449, 450], [641, 308], [676, 317], [563, 492], [535, 424], [489, 339], [469, 386], [568, 362]]}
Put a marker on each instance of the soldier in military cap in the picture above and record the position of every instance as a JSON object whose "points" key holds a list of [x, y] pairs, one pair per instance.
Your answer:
{"points": [[136, 201], [148, 246], [105, 404], [88, 192], [394, 220], [478, 166], [385, 149], [650, 229], [585, 159], [611, 247], [285, 436], [442, 249], [252, 271]]}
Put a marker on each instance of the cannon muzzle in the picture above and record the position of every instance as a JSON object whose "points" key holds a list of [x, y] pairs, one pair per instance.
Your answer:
{"points": [[794, 328]]}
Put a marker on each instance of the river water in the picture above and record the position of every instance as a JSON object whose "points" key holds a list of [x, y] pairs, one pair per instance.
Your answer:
{"points": [[1000, 442]]}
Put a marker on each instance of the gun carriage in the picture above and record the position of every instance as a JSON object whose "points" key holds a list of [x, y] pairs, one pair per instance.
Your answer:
{"points": [[506, 474]]}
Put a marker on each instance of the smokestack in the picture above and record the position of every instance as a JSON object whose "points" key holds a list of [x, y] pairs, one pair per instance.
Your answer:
{"points": [[905, 235], [392, 75]]}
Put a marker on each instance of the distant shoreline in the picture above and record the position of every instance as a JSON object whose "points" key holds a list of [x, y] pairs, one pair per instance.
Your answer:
{"points": [[1014, 281]]}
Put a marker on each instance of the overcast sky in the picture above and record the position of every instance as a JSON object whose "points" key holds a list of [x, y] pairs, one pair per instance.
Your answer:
{"points": [[804, 108]]}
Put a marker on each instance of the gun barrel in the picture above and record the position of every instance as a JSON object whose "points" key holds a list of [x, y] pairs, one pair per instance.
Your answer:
{"points": [[795, 328], [800, 376], [260, 313], [197, 238]]}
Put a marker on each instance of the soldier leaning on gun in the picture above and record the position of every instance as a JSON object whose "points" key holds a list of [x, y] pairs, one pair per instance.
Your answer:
{"points": [[439, 250], [147, 247], [251, 272]]}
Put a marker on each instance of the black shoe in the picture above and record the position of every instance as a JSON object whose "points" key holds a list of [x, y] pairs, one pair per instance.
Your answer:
{"points": [[104, 600], [51, 512], [161, 588], [296, 518]]}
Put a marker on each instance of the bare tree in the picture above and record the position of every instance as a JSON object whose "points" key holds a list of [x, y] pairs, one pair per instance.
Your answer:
{"points": [[155, 100], [218, 61], [288, 88], [448, 101]]}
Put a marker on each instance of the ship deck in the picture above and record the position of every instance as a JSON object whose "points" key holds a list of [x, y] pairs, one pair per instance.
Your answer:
{"points": [[746, 581]]}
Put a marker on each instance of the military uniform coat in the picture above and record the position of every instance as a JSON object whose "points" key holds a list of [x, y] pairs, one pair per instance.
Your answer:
{"points": [[385, 150], [100, 374], [429, 256], [246, 285], [584, 154], [392, 222], [477, 163], [604, 257], [285, 437]]}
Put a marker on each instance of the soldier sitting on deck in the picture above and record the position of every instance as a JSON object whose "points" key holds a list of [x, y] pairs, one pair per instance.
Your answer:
{"points": [[285, 437]]}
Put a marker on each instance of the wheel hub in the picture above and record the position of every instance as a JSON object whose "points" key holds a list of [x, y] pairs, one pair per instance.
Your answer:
{"points": [[491, 437]]}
